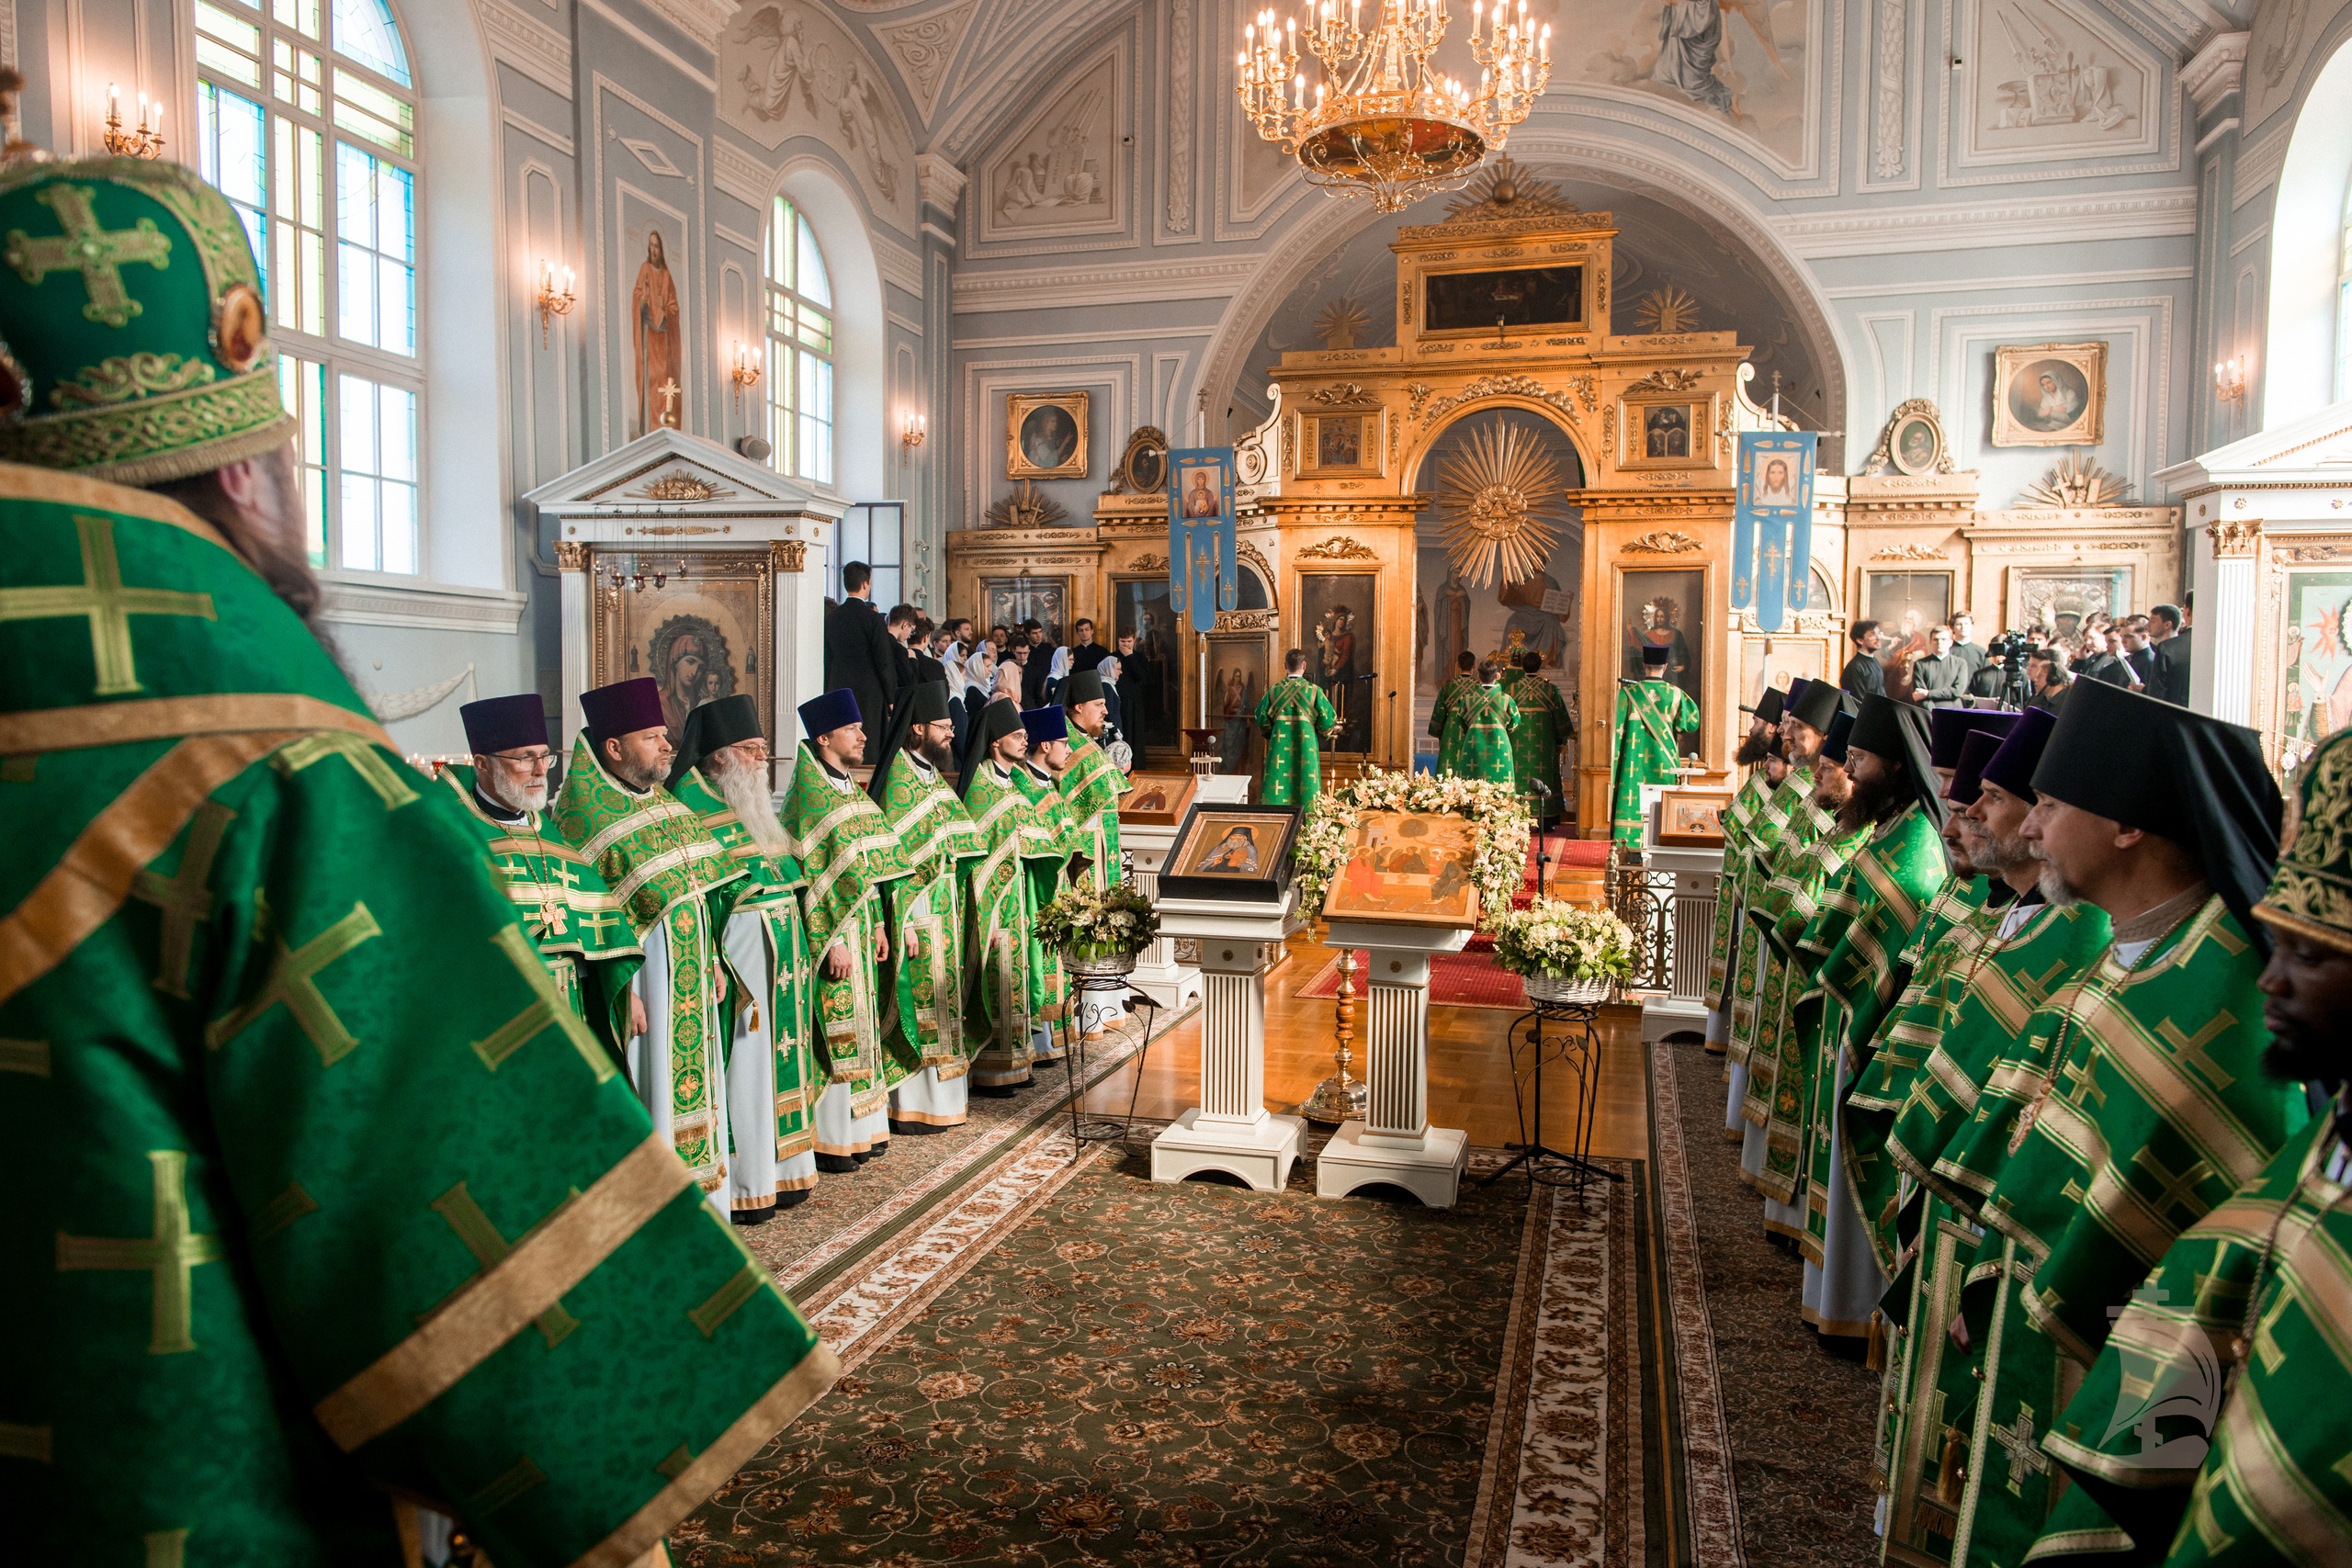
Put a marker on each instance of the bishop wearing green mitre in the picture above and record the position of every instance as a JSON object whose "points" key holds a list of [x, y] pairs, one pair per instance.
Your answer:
{"points": [[922, 1002], [578, 927], [1653, 714], [721, 772], [1296, 716], [321, 1200], [672, 878]]}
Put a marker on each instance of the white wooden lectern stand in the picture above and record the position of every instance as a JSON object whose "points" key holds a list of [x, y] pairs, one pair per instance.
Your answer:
{"points": [[1231, 1129], [1394, 1142]]}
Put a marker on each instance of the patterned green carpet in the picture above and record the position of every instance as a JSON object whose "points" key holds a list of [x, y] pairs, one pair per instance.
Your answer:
{"points": [[1065, 1363]]}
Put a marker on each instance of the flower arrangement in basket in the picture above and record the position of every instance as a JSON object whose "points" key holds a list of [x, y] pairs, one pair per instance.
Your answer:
{"points": [[1563, 951], [1497, 815], [1099, 930]]}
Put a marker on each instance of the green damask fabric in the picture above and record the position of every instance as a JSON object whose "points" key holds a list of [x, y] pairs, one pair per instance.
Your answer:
{"points": [[1002, 989], [1295, 715], [1443, 726], [1740, 846], [922, 1023], [1090, 787], [1652, 717], [846, 848], [1050, 815], [318, 1188], [1485, 719], [1544, 729]]}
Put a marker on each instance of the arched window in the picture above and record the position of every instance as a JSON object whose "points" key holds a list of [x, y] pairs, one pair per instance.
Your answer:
{"points": [[2344, 303], [307, 122], [800, 348]]}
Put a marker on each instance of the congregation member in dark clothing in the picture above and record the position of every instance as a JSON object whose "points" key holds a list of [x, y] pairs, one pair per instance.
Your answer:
{"points": [[1038, 666], [1140, 677], [1864, 676], [2046, 674], [2169, 634], [1965, 646], [1085, 652], [860, 655], [2099, 662], [1939, 676]]}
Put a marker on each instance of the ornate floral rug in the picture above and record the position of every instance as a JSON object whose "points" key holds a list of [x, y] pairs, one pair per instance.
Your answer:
{"points": [[1062, 1362]]}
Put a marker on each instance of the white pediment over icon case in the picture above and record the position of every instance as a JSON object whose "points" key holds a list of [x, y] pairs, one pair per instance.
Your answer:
{"points": [[2048, 79], [669, 473], [2314, 450]]}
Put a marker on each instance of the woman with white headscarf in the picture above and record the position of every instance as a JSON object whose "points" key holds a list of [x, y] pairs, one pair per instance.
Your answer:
{"points": [[1115, 738], [1056, 674]]}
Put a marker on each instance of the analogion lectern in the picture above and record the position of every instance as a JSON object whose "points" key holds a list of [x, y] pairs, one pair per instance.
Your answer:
{"points": [[1395, 1143], [1231, 1129]]}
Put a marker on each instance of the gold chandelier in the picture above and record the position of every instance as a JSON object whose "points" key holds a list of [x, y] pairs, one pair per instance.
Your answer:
{"points": [[1392, 128]]}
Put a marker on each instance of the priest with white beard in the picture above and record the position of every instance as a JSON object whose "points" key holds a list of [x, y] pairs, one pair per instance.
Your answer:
{"points": [[671, 878], [722, 771]]}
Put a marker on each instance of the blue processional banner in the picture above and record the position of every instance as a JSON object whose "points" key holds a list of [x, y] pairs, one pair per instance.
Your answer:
{"points": [[1204, 558], [1772, 531]]}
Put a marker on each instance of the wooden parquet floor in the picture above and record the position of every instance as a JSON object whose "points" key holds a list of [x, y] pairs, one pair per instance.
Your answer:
{"points": [[1470, 1086]]}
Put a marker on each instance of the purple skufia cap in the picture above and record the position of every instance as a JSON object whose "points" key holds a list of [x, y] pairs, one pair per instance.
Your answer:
{"points": [[504, 724], [1949, 729], [1968, 773], [2012, 766], [837, 709], [622, 708]]}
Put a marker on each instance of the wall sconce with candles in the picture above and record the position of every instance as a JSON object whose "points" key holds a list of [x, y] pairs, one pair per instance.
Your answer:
{"points": [[911, 434], [550, 302], [743, 369], [2229, 380], [147, 142]]}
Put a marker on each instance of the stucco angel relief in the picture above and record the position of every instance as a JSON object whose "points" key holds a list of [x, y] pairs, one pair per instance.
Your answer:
{"points": [[1745, 59], [785, 69]]}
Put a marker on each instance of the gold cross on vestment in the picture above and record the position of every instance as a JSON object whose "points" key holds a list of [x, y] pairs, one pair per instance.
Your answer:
{"points": [[381, 776], [2037, 986], [490, 1248], [2266, 1332], [169, 1255], [2082, 1083], [293, 980], [101, 598], [98, 255], [2025, 1453], [2174, 1190], [185, 899], [548, 1009], [2188, 1050], [593, 922]]}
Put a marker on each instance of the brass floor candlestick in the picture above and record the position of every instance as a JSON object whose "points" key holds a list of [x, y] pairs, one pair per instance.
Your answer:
{"points": [[1340, 1098]]}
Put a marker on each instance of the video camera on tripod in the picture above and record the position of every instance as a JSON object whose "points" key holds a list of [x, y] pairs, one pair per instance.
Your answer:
{"points": [[2011, 648]]}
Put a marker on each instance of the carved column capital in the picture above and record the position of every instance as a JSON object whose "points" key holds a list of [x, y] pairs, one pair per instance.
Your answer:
{"points": [[571, 555], [2234, 537], [788, 555]]}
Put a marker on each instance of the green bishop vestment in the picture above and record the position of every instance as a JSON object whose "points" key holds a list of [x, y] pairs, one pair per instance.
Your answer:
{"points": [[667, 871], [1485, 719], [1089, 788], [583, 934], [771, 1007], [923, 1022], [1652, 717], [318, 1192], [1295, 715], [1542, 731], [2149, 1108], [1000, 1017], [849, 854], [2216, 1419]]}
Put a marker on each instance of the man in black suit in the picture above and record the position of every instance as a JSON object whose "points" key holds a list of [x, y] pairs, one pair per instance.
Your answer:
{"points": [[1085, 652], [2140, 654], [1039, 666], [1864, 676], [2168, 633], [2099, 662], [860, 655], [903, 623], [1138, 693]]}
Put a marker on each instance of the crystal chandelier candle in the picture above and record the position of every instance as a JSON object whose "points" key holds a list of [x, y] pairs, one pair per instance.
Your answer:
{"points": [[1382, 120]]}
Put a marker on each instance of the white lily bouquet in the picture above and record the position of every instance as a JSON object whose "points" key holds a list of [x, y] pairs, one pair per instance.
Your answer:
{"points": [[1092, 923], [1553, 939]]}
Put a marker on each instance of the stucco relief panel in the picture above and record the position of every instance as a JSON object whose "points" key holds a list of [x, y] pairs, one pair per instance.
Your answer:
{"points": [[1746, 67], [2046, 80], [786, 69], [1065, 172]]}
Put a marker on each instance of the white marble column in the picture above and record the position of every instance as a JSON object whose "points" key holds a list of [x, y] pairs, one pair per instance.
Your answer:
{"points": [[576, 588], [1394, 1143], [1231, 1129], [1158, 973]]}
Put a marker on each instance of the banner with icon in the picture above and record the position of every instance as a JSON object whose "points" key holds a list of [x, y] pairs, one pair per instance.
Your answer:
{"points": [[1204, 556], [1772, 531]]}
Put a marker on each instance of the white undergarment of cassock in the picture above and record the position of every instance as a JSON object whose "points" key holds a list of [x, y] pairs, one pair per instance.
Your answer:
{"points": [[754, 1174]]}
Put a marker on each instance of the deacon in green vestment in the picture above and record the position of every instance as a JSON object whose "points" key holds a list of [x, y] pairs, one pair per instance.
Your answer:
{"points": [[2242, 1339], [1443, 725], [319, 1195], [1034, 776], [1544, 728], [1297, 717], [2147, 1106], [999, 1018], [1742, 821], [1653, 715], [849, 855], [670, 875], [922, 1017], [578, 928], [1090, 784], [721, 772], [1485, 719]]}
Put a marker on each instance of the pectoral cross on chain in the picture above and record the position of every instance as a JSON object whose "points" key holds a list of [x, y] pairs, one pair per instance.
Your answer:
{"points": [[98, 254]]}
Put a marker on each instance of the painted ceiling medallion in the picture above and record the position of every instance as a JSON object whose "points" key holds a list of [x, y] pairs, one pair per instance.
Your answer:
{"points": [[1502, 506], [1382, 121]]}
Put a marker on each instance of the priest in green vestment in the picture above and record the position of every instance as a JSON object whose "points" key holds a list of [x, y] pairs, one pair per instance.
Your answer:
{"points": [[850, 855], [1443, 725], [581, 932], [721, 772], [1802, 809], [922, 1016], [1741, 820], [999, 994], [1034, 776], [1485, 719], [1090, 784], [321, 1200], [1544, 728], [2213, 1427], [2139, 1102], [1653, 715], [1297, 717], [670, 875]]}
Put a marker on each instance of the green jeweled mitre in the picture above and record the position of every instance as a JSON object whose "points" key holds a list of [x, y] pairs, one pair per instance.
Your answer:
{"points": [[134, 343], [2311, 893]]}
